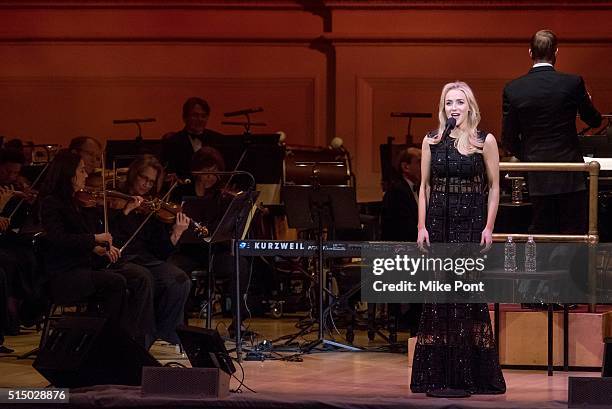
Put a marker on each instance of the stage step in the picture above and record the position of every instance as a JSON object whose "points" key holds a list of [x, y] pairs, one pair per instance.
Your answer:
{"points": [[523, 338]]}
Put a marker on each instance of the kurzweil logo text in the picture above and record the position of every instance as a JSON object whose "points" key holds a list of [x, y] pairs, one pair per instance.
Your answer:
{"points": [[284, 245]]}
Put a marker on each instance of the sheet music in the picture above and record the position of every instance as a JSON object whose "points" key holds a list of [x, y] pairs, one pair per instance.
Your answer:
{"points": [[604, 163]]}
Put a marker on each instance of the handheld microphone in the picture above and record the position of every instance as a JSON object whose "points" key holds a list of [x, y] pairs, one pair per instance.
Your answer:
{"points": [[450, 125], [243, 112]]}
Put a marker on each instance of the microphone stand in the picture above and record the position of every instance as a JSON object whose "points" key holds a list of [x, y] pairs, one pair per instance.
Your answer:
{"points": [[247, 125], [410, 116], [137, 122], [247, 135]]}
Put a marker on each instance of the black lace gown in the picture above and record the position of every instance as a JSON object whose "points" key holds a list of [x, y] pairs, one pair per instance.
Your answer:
{"points": [[455, 346]]}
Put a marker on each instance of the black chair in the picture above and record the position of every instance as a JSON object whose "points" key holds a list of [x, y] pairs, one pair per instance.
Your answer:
{"points": [[55, 311]]}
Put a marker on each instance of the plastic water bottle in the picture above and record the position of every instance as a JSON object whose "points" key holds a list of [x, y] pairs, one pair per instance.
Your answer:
{"points": [[530, 255], [510, 256]]}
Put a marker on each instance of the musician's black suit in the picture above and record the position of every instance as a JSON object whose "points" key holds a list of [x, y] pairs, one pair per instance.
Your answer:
{"points": [[399, 221], [400, 213], [70, 265], [177, 150], [539, 125]]}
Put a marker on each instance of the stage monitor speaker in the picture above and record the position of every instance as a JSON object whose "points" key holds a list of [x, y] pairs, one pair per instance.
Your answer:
{"points": [[589, 392], [205, 348], [194, 383], [85, 351]]}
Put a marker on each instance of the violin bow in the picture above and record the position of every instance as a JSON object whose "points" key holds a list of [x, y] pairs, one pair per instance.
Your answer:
{"points": [[105, 205]]}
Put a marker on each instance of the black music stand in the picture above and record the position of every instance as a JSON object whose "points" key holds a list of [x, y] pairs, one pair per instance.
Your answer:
{"points": [[231, 228], [317, 207], [259, 154]]}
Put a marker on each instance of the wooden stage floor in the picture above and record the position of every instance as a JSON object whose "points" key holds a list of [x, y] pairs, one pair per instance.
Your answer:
{"points": [[326, 379]]}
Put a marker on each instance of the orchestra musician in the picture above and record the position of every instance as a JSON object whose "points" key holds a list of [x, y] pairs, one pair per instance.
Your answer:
{"points": [[12, 184], [206, 159], [212, 203], [75, 247], [539, 125], [16, 254], [153, 245], [400, 201], [3, 309], [178, 147], [26, 148], [90, 150], [399, 217]]}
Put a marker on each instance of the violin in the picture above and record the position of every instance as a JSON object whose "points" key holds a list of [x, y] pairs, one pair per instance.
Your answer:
{"points": [[163, 211], [93, 198], [7, 193], [166, 213], [24, 193]]}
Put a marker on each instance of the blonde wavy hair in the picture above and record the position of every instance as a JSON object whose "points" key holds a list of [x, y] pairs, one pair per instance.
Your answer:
{"points": [[466, 137], [139, 165]]}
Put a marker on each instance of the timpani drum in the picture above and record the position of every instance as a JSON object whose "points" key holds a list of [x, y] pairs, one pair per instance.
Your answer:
{"points": [[307, 165]]}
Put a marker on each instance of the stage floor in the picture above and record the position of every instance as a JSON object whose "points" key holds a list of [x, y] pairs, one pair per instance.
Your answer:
{"points": [[323, 379]]}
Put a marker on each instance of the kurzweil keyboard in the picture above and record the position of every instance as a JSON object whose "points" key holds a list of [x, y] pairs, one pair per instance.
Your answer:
{"points": [[305, 248]]}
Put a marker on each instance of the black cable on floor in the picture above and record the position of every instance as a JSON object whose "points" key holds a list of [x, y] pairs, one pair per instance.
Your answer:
{"points": [[241, 381]]}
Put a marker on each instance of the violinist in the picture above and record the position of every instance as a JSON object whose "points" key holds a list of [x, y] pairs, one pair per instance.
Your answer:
{"points": [[75, 247], [3, 312], [89, 149], [152, 246], [212, 202], [13, 186], [207, 159], [16, 255], [7, 323], [26, 148]]}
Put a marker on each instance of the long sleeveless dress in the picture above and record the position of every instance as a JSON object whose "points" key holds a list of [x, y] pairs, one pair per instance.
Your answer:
{"points": [[455, 346]]}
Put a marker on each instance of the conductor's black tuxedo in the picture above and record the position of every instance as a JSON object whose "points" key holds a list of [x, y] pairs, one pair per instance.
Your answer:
{"points": [[539, 125]]}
